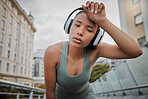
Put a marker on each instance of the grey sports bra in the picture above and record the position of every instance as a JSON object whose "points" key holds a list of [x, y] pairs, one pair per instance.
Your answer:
{"points": [[72, 83]]}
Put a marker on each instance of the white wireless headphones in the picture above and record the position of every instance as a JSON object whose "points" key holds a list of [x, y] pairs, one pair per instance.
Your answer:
{"points": [[98, 36]]}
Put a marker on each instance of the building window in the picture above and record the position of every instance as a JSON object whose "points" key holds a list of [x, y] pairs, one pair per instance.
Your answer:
{"points": [[15, 57], [25, 61], [1, 48], [135, 1], [16, 46], [10, 32], [3, 25], [8, 54], [11, 19], [25, 71], [141, 41], [21, 70], [1, 37], [138, 19], [4, 12], [14, 67], [22, 60], [0, 64], [9, 44], [7, 69], [17, 26]]}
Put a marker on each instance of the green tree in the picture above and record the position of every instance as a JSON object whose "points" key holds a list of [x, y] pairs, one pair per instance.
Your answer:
{"points": [[42, 86], [98, 71]]}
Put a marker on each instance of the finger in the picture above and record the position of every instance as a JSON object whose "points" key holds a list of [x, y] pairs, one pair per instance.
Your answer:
{"points": [[85, 9], [101, 6], [87, 5], [92, 6], [96, 7]]}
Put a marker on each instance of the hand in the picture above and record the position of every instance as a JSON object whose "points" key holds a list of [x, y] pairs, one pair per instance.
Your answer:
{"points": [[95, 11]]}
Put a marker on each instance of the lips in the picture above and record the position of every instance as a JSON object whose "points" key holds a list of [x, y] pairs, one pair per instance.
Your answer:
{"points": [[77, 40]]}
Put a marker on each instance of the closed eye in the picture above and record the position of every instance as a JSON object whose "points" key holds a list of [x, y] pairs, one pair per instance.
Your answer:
{"points": [[89, 30], [77, 25]]}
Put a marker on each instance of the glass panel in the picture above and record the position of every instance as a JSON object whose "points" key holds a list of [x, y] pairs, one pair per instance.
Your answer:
{"points": [[139, 67], [106, 83], [113, 80]]}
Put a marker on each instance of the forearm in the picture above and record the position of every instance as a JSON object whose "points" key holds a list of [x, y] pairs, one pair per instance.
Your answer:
{"points": [[125, 42], [50, 95]]}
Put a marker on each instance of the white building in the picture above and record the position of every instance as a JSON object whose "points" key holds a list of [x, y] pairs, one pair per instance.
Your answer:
{"points": [[38, 68], [16, 43]]}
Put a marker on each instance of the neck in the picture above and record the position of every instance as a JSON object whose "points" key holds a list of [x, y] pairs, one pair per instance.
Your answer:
{"points": [[75, 53]]}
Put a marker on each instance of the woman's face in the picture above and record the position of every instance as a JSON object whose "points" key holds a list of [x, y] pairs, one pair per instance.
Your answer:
{"points": [[82, 31]]}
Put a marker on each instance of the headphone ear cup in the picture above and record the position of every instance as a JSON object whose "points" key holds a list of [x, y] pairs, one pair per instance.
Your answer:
{"points": [[67, 25], [98, 37]]}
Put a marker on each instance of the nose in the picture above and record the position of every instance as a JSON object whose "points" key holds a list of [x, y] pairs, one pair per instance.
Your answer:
{"points": [[80, 32]]}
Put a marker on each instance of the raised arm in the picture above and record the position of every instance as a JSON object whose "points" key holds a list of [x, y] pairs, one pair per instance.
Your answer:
{"points": [[126, 46], [50, 72]]}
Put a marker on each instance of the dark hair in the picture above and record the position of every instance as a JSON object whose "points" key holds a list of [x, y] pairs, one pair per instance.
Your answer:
{"points": [[90, 45]]}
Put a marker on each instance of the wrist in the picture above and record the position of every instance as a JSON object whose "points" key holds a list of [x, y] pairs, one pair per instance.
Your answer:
{"points": [[102, 22]]}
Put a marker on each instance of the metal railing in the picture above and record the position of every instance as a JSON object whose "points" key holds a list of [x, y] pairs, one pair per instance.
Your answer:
{"points": [[18, 95], [8, 84], [124, 89], [129, 77]]}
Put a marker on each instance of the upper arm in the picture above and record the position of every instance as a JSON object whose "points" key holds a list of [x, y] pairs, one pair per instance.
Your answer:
{"points": [[111, 51], [50, 69]]}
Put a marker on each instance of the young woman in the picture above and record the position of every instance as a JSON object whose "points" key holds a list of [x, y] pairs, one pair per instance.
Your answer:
{"points": [[67, 64]]}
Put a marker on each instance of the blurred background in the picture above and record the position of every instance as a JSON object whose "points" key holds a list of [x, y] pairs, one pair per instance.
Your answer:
{"points": [[28, 27]]}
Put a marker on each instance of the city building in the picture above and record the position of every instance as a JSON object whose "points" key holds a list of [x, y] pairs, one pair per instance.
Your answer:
{"points": [[134, 19], [38, 68], [16, 43]]}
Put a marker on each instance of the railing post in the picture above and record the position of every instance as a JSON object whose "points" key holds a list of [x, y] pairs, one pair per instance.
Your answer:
{"points": [[17, 96], [118, 80], [100, 87], [38, 96], [45, 95], [93, 87], [110, 85], [103, 84], [132, 77], [31, 95]]}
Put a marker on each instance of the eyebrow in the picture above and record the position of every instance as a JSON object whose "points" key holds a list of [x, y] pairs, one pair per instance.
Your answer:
{"points": [[78, 21], [87, 25]]}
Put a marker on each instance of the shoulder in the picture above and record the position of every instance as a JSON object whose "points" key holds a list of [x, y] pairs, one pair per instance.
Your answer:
{"points": [[52, 49], [53, 52]]}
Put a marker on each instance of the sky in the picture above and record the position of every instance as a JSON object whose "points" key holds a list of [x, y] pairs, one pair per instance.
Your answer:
{"points": [[50, 16]]}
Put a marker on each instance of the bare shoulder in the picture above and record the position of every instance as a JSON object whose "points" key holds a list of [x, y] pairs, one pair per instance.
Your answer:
{"points": [[52, 49], [53, 53]]}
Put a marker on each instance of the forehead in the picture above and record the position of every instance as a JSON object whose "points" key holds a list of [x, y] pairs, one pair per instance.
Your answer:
{"points": [[84, 19]]}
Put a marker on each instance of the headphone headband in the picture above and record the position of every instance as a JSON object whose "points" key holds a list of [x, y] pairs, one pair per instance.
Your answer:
{"points": [[80, 8]]}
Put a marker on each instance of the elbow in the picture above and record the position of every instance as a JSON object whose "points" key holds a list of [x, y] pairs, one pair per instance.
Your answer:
{"points": [[138, 53]]}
